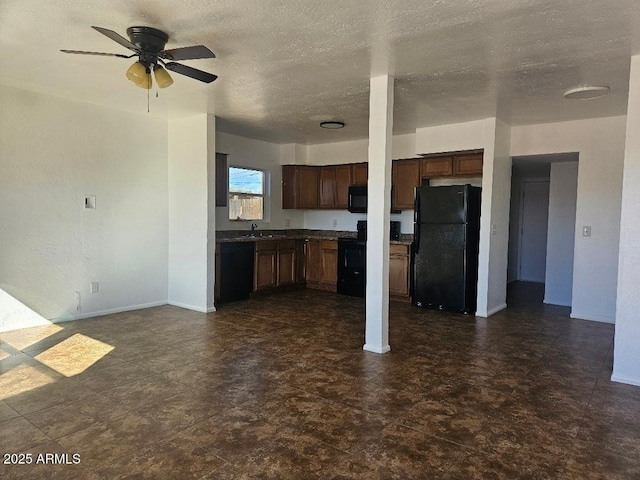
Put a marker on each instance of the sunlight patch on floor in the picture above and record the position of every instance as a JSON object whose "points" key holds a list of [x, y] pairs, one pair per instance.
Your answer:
{"points": [[24, 378], [74, 355], [14, 315], [21, 339]]}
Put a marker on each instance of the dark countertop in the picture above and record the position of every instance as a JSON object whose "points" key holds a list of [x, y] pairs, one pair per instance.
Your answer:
{"points": [[294, 234]]}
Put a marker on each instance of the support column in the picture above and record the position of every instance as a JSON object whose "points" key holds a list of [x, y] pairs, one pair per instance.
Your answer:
{"points": [[378, 208], [191, 144], [626, 354]]}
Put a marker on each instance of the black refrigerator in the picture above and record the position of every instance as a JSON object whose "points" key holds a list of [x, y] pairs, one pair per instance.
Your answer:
{"points": [[445, 250]]}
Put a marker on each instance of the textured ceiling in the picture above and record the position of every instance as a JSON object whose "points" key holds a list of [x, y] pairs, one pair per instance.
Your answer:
{"points": [[285, 65]]}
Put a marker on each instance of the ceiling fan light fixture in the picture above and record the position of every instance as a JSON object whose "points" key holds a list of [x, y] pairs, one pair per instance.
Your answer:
{"points": [[332, 125], [137, 73], [163, 79], [586, 92], [146, 82]]}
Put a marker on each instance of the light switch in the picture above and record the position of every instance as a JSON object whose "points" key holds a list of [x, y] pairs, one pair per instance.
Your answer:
{"points": [[494, 229], [586, 231], [90, 202]]}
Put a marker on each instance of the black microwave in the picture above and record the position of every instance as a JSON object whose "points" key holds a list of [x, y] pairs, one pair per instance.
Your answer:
{"points": [[358, 199]]}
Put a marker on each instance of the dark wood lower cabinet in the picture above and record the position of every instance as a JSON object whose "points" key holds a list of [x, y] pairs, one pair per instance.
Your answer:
{"points": [[277, 264], [282, 263], [399, 268], [322, 264], [266, 266], [286, 263]]}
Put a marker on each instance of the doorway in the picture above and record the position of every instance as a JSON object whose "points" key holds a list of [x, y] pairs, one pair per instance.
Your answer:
{"points": [[534, 218], [542, 225]]}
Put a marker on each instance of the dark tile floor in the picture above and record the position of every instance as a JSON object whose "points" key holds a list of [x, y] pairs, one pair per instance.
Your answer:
{"points": [[279, 387]]}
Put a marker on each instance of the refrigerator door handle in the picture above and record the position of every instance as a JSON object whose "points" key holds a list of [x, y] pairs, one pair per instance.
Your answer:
{"points": [[416, 238], [416, 206]]}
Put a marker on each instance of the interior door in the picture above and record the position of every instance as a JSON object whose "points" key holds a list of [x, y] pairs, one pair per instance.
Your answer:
{"points": [[533, 232]]}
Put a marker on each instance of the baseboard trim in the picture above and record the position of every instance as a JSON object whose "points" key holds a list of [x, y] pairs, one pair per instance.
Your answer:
{"points": [[376, 349], [559, 304], [491, 311], [627, 380], [593, 318], [109, 311], [191, 307]]}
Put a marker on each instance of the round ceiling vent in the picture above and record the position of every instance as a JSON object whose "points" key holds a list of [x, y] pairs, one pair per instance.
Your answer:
{"points": [[332, 125], [586, 92]]}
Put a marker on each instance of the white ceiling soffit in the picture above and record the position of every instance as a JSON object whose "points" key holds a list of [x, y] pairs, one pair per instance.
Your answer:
{"points": [[284, 64]]}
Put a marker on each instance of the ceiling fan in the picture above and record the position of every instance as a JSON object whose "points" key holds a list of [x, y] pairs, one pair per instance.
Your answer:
{"points": [[148, 43]]}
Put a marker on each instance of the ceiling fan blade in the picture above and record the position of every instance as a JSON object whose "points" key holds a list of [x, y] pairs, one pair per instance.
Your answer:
{"points": [[116, 37], [191, 72], [80, 52], [188, 53]]}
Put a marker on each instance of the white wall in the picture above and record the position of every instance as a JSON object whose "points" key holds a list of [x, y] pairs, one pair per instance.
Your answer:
{"points": [[188, 148], [247, 152], [600, 144], [563, 188], [494, 220], [52, 153], [626, 361]]}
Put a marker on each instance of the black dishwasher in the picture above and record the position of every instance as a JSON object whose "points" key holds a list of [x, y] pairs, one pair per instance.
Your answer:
{"points": [[236, 271], [352, 267]]}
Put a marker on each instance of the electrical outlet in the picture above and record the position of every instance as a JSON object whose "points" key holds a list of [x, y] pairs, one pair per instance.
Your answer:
{"points": [[94, 287], [494, 229], [287, 222], [79, 305], [334, 223], [586, 231]]}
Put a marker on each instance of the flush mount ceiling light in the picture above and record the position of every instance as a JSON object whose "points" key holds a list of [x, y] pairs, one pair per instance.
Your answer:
{"points": [[586, 92], [332, 125]]}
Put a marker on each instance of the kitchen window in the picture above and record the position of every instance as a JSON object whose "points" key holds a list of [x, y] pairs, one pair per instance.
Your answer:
{"points": [[247, 189]]}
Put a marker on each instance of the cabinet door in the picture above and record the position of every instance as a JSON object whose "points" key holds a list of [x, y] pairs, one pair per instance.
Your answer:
{"points": [[406, 177], [437, 167], [313, 262], [343, 180], [289, 183], [327, 187], [467, 164], [265, 269], [307, 187], [359, 173], [399, 270], [286, 266], [329, 263]]}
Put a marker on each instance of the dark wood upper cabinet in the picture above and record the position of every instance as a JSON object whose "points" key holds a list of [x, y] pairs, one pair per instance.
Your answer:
{"points": [[327, 187], [437, 167], [299, 187], [464, 165], [222, 180], [334, 186], [405, 177], [359, 173], [343, 180]]}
